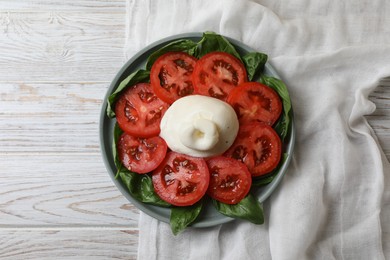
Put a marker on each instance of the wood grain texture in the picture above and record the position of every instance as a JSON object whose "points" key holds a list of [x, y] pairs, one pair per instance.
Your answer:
{"points": [[80, 243], [45, 189], [60, 46], [50, 117], [57, 59], [107, 6]]}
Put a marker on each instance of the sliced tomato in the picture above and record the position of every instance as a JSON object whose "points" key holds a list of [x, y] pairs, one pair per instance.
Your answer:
{"points": [[217, 73], [230, 180], [254, 101], [258, 146], [139, 111], [141, 155], [181, 180], [170, 76]]}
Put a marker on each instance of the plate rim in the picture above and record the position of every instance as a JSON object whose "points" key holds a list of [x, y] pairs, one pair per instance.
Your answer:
{"points": [[104, 147]]}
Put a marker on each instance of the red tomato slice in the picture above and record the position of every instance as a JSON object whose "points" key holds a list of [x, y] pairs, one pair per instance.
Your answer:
{"points": [[230, 180], [181, 180], [258, 146], [139, 111], [217, 73], [254, 101], [170, 76], [141, 155]]}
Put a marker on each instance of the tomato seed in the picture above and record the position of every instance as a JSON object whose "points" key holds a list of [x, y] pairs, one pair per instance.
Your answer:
{"points": [[186, 90], [230, 182], [226, 72], [135, 152], [239, 153], [185, 188], [217, 92], [259, 98], [184, 65], [155, 116], [131, 113], [182, 162], [164, 78]]}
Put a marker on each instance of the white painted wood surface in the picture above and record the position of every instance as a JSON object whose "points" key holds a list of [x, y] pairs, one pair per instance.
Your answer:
{"points": [[57, 59], [57, 201]]}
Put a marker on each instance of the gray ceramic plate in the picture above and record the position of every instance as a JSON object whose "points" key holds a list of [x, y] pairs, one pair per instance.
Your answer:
{"points": [[209, 216]]}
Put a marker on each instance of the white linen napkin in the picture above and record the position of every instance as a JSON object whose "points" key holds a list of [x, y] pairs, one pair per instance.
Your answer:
{"points": [[334, 201]]}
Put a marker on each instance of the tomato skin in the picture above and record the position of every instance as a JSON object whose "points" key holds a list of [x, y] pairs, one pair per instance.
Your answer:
{"points": [[181, 180], [258, 146], [139, 111], [254, 101], [171, 74], [217, 73], [141, 155], [230, 180]]}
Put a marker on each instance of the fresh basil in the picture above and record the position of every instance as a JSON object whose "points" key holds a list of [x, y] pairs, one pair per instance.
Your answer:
{"points": [[182, 217], [282, 125], [187, 46], [140, 186], [249, 208], [214, 42], [134, 78], [254, 63], [117, 134]]}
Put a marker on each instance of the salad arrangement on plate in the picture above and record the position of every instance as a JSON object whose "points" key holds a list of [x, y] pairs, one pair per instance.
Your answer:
{"points": [[200, 124]]}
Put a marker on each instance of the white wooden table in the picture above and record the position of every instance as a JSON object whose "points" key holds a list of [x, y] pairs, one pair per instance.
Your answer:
{"points": [[57, 59]]}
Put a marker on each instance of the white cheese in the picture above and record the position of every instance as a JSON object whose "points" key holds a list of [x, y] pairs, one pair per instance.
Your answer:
{"points": [[199, 126]]}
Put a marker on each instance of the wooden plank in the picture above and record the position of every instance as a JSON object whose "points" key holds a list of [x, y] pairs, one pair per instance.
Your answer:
{"points": [[60, 46], [77, 243], [50, 117], [56, 198], [38, 189], [51, 5]]}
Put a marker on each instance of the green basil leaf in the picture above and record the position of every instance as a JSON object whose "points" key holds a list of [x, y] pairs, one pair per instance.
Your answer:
{"points": [[148, 193], [187, 46], [282, 125], [140, 186], [117, 134], [258, 182], [134, 78], [254, 63], [248, 208], [261, 181], [214, 42], [182, 217]]}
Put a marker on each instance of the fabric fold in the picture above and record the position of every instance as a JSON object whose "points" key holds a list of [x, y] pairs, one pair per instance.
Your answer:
{"points": [[334, 201]]}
